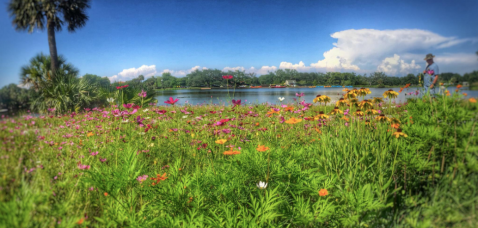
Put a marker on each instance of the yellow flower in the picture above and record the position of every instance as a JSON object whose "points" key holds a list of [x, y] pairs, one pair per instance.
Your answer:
{"points": [[366, 104], [350, 95], [336, 110], [358, 112], [371, 112], [262, 148], [390, 94], [377, 100], [355, 102], [394, 120], [192, 135], [341, 102], [364, 91], [89, 134], [221, 141], [399, 133], [321, 116], [382, 118], [472, 100], [321, 98], [293, 120]]}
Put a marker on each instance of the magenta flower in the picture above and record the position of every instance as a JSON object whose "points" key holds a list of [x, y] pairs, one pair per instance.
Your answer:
{"points": [[94, 153], [299, 94], [102, 159], [142, 94], [128, 106], [431, 72], [238, 102], [227, 76], [171, 101], [142, 178], [80, 166]]}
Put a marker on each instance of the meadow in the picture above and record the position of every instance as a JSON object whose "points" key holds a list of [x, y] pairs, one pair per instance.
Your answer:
{"points": [[311, 163]]}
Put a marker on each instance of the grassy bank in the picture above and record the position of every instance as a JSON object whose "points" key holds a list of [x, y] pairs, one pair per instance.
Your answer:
{"points": [[195, 166]]}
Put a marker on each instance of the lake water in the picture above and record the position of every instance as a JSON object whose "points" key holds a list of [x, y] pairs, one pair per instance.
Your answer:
{"points": [[271, 95]]}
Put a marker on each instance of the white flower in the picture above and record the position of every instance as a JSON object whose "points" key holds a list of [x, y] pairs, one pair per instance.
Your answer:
{"points": [[145, 110], [184, 117], [110, 100], [281, 98], [262, 185], [125, 121], [147, 118]]}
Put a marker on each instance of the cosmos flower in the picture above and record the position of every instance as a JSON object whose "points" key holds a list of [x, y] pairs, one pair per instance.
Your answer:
{"points": [[323, 192], [142, 178], [262, 148], [281, 98], [261, 185]]}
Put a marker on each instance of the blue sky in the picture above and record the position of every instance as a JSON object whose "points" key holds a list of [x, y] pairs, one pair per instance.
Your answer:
{"points": [[123, 39]]}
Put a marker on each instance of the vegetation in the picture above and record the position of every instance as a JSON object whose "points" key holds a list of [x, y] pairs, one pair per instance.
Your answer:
{"points": [[298, 164]]}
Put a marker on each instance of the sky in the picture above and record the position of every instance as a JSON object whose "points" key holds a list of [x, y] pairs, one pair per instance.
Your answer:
{"points": [[123, 39]]}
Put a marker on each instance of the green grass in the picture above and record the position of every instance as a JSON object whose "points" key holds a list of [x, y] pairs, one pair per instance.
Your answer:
{"points": [[373, 179]]}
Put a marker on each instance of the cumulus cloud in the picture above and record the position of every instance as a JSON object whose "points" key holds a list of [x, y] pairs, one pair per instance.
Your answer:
{"points": [[365, 50], [128, 74]]}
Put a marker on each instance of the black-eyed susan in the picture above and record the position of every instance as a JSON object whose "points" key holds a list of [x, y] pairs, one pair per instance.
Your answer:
{"points": [[318, 98], [336, 110], [371, 112], [367, 122], [355, 102], [350, 95], [321, 116], [363, 91], [325, 99], [358, 112], [366, 104], [341, 102], [377, 100], [390, 94], [399, 133], [394, 120], [382, 118]]}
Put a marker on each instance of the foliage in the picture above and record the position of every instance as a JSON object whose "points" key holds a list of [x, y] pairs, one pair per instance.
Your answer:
{"points": [[86, 168], [14, 97]]}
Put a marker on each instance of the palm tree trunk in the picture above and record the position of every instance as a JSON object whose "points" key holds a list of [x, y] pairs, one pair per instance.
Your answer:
{"points": [[52, 44]]}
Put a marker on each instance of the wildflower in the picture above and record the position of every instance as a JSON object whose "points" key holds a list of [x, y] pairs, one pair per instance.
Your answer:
{"points": [[281, 98], [102, 159], [465, 94], [110, 100], [80, 221], [318, 130], [394, 120], [142, 94], [390, 94], [345, 118], [350, 95], [382, 118], [358, 112], [290, 109], [396, 125], [459, 86], [231, 152], [261, 185], [472, 100], [341, 102], [106, 194], [336, 110], [366, 104], [364, 91], [447, 93], [399, 133], [89, 134], [171, 101], [321, 116], [236, 103], [293, 120], [371, 112], [323, 192], [221, 141], [145, 110], [158, 178], [299, 94], [227, 76], [262, 148], [94, 153], [142, 178], [377, 100]]}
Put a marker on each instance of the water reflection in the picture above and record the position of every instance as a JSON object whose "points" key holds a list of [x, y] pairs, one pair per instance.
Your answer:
{"points": [[271, 95]]}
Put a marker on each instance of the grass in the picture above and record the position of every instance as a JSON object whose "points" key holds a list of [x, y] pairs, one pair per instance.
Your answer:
{"points": [[87, 169]]}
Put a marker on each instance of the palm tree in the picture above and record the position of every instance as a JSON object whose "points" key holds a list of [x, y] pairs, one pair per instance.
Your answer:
{"points": [[38, 73], [28, 14]]}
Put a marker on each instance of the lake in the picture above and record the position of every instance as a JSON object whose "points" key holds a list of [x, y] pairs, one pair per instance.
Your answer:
{"points": [[271, 95]]}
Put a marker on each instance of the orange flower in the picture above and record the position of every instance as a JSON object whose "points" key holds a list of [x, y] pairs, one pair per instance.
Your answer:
{"points": [[293, 120], [221, 141], [80, 221], [290, 108], [345, 118], [472, 100], [106, 194], [448, 93], [278, 136], [459, 86], [272, 111], [262, 148], [323, 192], [81, 143], [407, 85], [396, 126], [456, 90], [159, 178], [231, 152], [318, 130], [257, 124], [89, 134], [401, 89], [465, 94]]}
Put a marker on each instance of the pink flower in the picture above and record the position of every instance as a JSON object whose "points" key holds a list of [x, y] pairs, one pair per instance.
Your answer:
{"points": [[227, 76], [431, 72], [94, 153], [128, 106], [102, 159], [80, 166], [171, 101], [142, 94], [299, 94], [142, 178]]}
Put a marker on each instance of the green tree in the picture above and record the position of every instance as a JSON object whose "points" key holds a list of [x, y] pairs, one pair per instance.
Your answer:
{"points": [[31, 14], [37, 74]]}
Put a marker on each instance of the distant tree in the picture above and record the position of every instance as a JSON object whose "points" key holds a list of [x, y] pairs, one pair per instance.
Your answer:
{"points": [[34, 13]]}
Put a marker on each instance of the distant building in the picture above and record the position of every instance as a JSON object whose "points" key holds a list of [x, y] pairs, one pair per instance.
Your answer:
{"points": [[466, 84], [290, 83]]}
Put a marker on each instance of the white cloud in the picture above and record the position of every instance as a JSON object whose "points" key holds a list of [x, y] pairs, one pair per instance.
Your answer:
{"points": [[396, 66], [239, 68], [128, 74]]}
